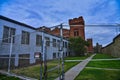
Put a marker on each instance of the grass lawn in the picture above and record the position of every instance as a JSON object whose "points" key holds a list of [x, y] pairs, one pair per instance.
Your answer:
{"points": [[77, 58], [113, 64], [34, 71], [67, 65], [4, 77], [102, 56], [95, 74]]}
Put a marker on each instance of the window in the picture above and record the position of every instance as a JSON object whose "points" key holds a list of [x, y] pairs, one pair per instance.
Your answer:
{"points": [[38, 40], [25, 37], [54, 42], [65, 44], [54, 55], [47, 41], [76, 33], [58, 43], [66, 53], [7, 33], [59, 55]]}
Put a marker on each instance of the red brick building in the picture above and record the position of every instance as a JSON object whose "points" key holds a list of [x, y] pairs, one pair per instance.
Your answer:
{"points": [[77, 29], [56, 31], [90, 49]]}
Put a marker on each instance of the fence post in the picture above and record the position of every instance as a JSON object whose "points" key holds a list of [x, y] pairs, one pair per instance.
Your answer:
{"points": [[11, 44], [62, 55], [45, 60], [44, 56]]}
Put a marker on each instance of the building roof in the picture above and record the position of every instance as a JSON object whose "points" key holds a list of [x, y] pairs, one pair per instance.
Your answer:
{"points": [[112, 41], [16, 22], [25, 25]]}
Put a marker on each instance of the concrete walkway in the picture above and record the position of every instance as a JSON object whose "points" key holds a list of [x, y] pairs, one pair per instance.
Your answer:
{"points": [[74, 71]]}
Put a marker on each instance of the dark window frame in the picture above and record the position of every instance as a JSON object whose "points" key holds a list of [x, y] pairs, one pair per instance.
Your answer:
{"points": [[8, 32], [54, 42], [25, 39], [76, 32], [38, 40], [47, 41]]}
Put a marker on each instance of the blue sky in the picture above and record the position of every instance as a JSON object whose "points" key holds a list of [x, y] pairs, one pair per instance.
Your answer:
{"points": [[53, 12]]}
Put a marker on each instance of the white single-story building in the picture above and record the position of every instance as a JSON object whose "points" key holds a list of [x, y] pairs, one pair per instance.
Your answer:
{"points": [[26, 42]]}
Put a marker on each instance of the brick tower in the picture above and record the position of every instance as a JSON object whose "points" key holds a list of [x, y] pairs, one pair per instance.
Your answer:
{"points": [[90, 47], [77, 27]]}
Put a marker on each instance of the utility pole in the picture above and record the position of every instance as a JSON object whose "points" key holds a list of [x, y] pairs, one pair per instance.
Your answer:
{"points": [[61, 51]]}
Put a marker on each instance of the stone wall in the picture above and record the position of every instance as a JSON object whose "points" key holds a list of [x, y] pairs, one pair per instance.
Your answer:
{"points": [[113, 48]]}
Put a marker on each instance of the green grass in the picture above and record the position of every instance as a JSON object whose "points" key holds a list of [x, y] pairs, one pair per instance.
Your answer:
{"points": [[68, 65], [4, 77], [77, 58], [102, 56], [104, 64], [113, 64], [34, 71], [54, 74], [94, 74]]}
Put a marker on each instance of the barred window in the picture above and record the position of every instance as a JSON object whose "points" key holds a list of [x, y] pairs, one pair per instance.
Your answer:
{"points": [[47, 41], [38, 40], [25, 37], [7, 33], [54, 42]]}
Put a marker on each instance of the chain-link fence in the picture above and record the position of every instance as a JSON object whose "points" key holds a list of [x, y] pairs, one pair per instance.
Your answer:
{"points": [[35, 54], [40, 54]]}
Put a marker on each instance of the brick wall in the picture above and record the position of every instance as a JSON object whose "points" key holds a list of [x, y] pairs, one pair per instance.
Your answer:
{"points": [[90, 47], [56, 31], [77, 24], [113, 48]]}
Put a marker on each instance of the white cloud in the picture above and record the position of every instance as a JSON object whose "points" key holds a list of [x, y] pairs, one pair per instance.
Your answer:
{"points": [[52, 12]]}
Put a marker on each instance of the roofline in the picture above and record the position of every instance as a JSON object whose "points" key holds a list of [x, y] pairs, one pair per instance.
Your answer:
{"points": [[112, 41], [16, 22], [22, 24]]}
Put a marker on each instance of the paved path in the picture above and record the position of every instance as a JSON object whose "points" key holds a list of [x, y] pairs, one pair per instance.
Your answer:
{"points": [[74, 71]]}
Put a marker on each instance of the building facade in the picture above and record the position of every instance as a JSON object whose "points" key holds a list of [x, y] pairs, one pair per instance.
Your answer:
{"points": [[77, 27], [26, 41]]}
